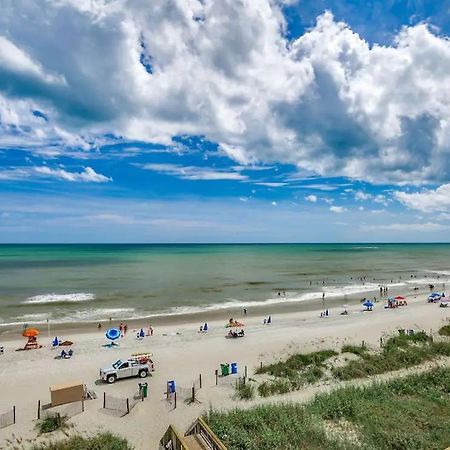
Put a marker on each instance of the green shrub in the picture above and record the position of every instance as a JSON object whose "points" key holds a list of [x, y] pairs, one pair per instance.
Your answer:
{"points": [[102, 441], [355, 349], [245, 391], [445, 330], [51, 423]]}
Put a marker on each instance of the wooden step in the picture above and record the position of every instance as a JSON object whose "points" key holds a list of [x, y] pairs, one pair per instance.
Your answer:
{"points": [[195, 442]]}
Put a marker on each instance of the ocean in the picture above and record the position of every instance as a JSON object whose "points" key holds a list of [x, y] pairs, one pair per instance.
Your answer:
{"points": [[83, 283]]}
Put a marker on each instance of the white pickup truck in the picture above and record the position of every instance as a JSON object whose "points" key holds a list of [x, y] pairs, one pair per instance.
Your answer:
{"points": [[133, 367]]}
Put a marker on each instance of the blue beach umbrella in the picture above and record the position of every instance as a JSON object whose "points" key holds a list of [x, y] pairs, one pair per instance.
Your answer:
{"points": [[112, 334], [368, 304]]}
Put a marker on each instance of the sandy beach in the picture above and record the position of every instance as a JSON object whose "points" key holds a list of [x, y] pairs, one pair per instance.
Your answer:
{"points": [[181, 353]]}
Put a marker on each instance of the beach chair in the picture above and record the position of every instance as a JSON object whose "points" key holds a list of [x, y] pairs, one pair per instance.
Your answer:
{"points": [[55, 343]]}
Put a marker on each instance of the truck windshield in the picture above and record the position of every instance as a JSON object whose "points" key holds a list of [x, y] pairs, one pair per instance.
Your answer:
{"points": [[117, 364]]}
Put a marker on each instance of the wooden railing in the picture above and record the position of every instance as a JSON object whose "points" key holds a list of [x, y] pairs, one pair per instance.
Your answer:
{"points": [[199, 427], [172, 440]]}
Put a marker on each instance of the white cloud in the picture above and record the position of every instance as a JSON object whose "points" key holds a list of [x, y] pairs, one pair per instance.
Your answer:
{"points": [[333, 105], [88, 174], [430, 200], [194, 173], [270, 184], [311, 198], [425, 227], [337, 209], [17, 61], [360, 195]]}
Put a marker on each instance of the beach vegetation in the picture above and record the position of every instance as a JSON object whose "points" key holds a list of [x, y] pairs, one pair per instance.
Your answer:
{"points": [[399, 352], [244, 391], [101, 441], [355, 349], [293, 373], [299, 362], [445, 330], [406, 413], [51, 423]]}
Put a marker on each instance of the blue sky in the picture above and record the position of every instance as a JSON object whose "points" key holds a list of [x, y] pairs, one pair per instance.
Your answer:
{"points": [[208, 121]]}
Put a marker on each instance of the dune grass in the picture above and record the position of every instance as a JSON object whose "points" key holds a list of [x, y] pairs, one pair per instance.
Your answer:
{"points": [[409, 413], [52, 423], [294, 372], [399, 352], [445, 330], [244, 391], [102, 441], [355, 349]]}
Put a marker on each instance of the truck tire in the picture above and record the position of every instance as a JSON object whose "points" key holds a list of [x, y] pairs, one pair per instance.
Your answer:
{"points": [[111, 379], [143, 373]]}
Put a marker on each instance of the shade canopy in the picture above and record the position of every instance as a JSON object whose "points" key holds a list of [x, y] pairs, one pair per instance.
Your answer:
{"points": [[399, 297], [112, 334], [30, 332]]}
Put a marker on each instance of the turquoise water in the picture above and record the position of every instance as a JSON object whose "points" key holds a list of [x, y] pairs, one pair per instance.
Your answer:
{"points": [[93, 282]]}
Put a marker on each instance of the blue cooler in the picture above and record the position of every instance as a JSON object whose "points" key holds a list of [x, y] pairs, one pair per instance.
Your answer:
{"points": [[234, 368]]}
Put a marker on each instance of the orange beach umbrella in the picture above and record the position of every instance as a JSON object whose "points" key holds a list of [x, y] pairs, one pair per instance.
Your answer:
{"points": [[30, 332]]}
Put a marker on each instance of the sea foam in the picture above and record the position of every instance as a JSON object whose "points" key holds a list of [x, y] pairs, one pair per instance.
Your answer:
{"points": [[60, 298]]}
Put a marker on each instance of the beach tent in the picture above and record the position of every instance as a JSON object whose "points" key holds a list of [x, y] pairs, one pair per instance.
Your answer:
{"points": [[205, 327], [434, 296], [368, 305]]}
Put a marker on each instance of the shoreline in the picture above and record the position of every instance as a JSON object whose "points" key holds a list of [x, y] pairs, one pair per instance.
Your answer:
{"points": [[316, 305]]}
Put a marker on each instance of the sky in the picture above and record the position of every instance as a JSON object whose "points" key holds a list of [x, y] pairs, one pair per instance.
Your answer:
{"points": [[224, 121]]}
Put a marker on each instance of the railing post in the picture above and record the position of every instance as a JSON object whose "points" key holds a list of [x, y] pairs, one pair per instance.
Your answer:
{"points": [[200, 380], [128, 406], [175, 397], [14, 414], [104, 400], [217, 373], [245, 372], [39, 410]]}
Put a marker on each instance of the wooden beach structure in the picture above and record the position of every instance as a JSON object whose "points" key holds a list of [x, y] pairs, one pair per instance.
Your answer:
{"points": [[67, 393], [198, 437]]}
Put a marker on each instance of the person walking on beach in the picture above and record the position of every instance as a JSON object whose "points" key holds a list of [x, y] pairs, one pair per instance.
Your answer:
{"points": [[121, 329], [125, 328], [245, 311]]}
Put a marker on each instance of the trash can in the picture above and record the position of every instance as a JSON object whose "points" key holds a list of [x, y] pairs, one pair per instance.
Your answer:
{"points": [[171, 387], [234, 368], [225, 369], [143, 389]]}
